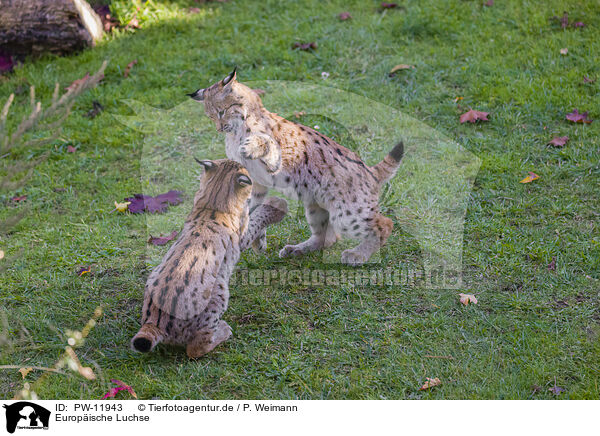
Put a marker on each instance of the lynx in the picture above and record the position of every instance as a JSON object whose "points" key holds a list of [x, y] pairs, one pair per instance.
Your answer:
{"points": [[187, 294], [339, 192]]}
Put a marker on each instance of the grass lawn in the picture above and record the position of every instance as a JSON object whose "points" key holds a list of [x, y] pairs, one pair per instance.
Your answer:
{"points": [[533, 328]]}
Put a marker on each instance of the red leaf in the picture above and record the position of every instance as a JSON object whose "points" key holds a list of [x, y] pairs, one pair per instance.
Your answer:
{"points": [[385, 5], [344, 16], [129, 67], [489, 3], [576, 117], [472, 115], [552, 264], [71, 149], [84, 270], [125, 387], [18, 199], [305, 46], [578, 24], [163, 239], [145, 203], [586, 79], [559, 141]]}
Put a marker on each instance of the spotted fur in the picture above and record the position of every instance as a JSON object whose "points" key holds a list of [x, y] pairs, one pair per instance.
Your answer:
{"points": [[339, 191], [187, 294]]}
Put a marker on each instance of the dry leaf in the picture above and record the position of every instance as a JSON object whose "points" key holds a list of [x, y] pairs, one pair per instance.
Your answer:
{"points": [[163, 239], [587, 79], [84, 270], [472, 115], [78, 82], [399, 67], [122, 207], [121, 387], [559, 141], [389, 5], [530, 178], [25, 371], [556, 390], [467, 298], [457, 99], [576, 117], [18, 199], [564, 51], [146, 203], [129, 67], [305, 46], [552, 264], [87, 372], [344, 16], [430, 383]]}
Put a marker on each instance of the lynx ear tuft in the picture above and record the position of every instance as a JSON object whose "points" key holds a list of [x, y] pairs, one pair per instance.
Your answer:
{"points": [[197, 95], [230, 78], [207, 164]]}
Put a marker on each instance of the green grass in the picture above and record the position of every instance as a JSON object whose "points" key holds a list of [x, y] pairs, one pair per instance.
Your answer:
{"points": [[532, 327]]}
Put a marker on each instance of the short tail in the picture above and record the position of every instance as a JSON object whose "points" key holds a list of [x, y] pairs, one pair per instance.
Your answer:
{"points": [[147, 338], [386, 169]]}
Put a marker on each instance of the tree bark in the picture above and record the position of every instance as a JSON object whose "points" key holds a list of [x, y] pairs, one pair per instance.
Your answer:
{"points": [[32, 27]]}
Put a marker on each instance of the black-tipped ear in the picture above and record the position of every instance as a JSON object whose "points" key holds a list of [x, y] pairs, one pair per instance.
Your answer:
{"points": [[197, 95], [230, 78], [244, 180], [207, 164]]}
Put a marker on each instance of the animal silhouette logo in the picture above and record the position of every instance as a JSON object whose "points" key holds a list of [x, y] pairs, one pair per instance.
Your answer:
{"points": [[26, 415]]}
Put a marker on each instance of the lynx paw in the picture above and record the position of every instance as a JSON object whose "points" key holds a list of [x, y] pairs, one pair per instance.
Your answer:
{"points": [[291, 250], [259, 245], [251, 148]]}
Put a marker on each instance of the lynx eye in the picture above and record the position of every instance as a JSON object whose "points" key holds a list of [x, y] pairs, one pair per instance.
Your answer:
{"points": [[243, 180]]}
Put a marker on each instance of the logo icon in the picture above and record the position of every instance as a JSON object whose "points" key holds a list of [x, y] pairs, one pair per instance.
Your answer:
{"points": [[26, 415]]}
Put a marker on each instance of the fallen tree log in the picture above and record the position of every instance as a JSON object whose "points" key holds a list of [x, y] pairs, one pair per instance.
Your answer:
{"points": [[32, 27]]}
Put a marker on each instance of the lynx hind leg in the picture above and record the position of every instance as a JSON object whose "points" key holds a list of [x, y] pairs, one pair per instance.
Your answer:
{"points": [[373, 235], [207, 340], [318, 219], [259, 192]]}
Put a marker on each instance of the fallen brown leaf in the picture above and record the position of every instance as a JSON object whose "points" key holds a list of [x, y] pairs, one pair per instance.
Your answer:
{"points": [[163, 239], [129, 67], [71, 149], [18, 199], [576, 117], [489, 3], [530, 178], [552, 264], [344, 16], [559, 141], [385, 5], [587, 79], [430, 383], [305, 46], [399, 67], [25, 371], [472, 115], [467, 298]]}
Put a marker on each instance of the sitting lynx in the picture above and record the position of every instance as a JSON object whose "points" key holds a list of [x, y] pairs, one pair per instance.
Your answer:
{"points": [[187, 294], [340, 193]]}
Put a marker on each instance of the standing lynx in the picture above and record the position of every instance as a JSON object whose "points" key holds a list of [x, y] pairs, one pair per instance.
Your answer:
{"points": [[340, 193], [187, 294]]}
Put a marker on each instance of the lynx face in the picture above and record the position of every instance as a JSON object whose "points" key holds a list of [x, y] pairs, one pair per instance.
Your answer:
{"points": [[227, 103]]}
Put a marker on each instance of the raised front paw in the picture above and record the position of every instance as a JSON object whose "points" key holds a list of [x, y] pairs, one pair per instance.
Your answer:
{"points": [[252, 148]]}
